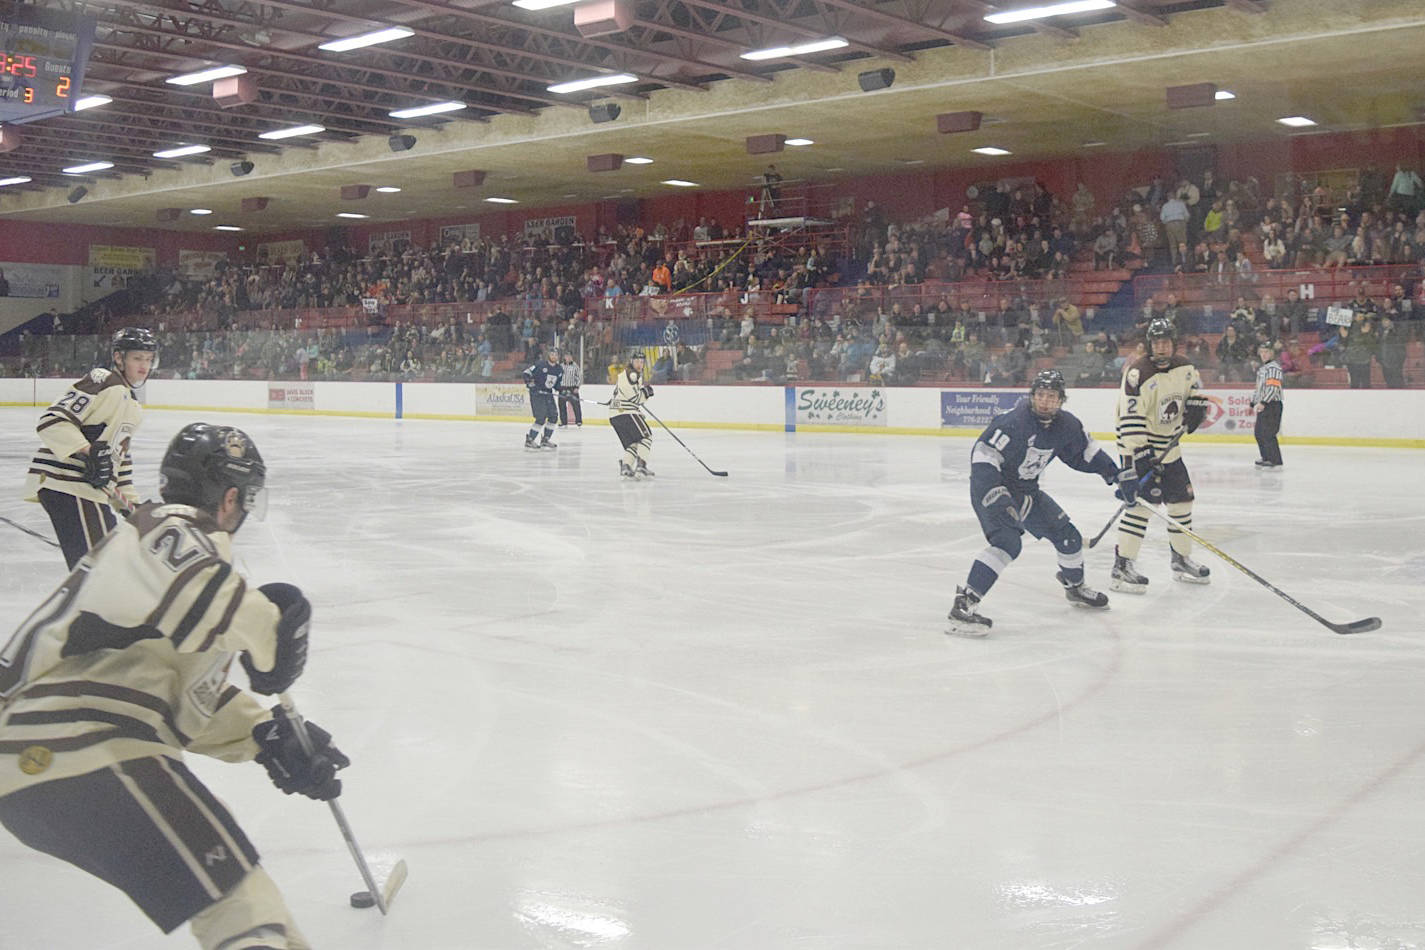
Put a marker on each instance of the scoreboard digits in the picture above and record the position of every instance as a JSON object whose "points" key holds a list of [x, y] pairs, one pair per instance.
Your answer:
{"points": [[42, 58]]}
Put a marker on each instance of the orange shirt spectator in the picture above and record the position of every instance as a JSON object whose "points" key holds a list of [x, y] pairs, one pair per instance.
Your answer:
{"points": [[662, 277]]}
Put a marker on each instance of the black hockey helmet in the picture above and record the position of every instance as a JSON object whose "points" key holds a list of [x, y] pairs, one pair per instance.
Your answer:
{"points": [[135, 338], [203, 461], [637, 355], [1052, 380], [1160, 328]]}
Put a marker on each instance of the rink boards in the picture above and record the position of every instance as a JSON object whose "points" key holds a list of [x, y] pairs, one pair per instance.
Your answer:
{"points": [[1384, 418]]}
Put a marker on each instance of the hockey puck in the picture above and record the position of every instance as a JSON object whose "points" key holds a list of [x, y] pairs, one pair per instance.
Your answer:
{"points": [[363, 899]]}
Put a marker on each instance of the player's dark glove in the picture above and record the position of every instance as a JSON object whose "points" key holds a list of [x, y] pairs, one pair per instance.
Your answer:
{"points": [[291, 767], [1195, 412], [647, 392], [998, 500], [1127, 490], [1142, 462], [291, 648], [99, 464]]}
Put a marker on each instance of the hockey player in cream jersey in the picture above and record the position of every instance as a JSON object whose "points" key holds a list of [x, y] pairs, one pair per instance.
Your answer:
{"points": [[626, 417], [84, 453], [124, 668], [1160, 399]]}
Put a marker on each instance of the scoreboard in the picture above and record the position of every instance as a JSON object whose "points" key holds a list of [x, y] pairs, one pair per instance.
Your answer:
{"points": [[44, 55]]}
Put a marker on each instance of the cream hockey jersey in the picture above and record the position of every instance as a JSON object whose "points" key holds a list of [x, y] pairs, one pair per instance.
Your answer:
{"points": [[100, 406], [1152, 403], [129, 658], [628, 393]]}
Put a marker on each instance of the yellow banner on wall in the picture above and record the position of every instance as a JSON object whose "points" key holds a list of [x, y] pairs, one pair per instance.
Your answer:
{"points": [[114, 258]]}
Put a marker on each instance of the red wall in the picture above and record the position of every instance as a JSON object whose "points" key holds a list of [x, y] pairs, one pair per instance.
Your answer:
{"points": [[37, 242]]}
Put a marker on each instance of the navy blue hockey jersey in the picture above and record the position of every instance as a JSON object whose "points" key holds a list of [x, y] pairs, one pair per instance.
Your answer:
{"points": [[543, 377], [1016, 447]]}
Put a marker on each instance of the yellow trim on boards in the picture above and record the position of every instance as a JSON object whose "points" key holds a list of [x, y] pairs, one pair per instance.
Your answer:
{"points": [[957, 432]]}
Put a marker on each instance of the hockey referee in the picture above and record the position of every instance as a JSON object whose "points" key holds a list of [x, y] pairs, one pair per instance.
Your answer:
{"points": [[1267, 401]]}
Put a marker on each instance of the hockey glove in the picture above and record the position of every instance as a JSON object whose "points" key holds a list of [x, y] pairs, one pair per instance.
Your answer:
{"points": [[1195, 412], [291, 767], [999, 501], [99, 464], [1142, 462], [647, 392], [1127, 490], [291, 648]]}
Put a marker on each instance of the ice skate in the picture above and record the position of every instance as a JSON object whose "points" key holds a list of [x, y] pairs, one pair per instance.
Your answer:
{"points": [[1082, 595], [1187, 570], [1262, 463], [545, 443], [529, 442], [964, 621], [644, 470], [1125, 576], [625, 469]]}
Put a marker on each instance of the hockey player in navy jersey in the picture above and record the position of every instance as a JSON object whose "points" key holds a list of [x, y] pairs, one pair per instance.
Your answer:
{"points": [[542, 379], [1005, 465]]}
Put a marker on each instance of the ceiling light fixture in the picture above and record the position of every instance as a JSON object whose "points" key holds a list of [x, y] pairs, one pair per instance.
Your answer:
{"points": [[226, 227], [291, 132], [17, 180], [183, 150], [435, 108], [680, 183], [798, 142], [1296, 121], [200, 210], [1094, 144], [205, 75], [90, 102], [1223, 95], [1048, 10], [592, 82], [388, 189], [502, 201], [800, 49], [91, 167], [350, 214], [991, 150], [368, 39], [542, 4], [638, 160]]}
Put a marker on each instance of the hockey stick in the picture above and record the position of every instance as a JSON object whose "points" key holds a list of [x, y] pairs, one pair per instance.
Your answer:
{"points": [[33, 534], [711, 471], [118, 501], [1141, 482], [383, 895], [1355, 626]]}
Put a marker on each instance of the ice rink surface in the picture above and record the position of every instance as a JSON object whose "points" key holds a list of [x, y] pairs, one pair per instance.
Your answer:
{"points": [[696, 713]]}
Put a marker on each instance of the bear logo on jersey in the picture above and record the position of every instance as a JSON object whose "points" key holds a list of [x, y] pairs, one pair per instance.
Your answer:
{"points": [[1170, 412]]}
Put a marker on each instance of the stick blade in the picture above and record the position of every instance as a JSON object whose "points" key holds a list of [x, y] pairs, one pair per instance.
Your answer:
{"points": [[394, 880], [1356, 626], [718, 474]]}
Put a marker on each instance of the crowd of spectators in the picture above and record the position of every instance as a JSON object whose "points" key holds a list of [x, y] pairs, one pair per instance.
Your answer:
{"points": [[552, 285]]}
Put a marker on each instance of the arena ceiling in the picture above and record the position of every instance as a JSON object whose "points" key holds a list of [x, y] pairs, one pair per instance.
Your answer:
{"points": [[1045, 90]]}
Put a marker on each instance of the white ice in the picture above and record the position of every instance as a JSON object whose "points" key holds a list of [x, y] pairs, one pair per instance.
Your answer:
{"points": [[696, 713]]}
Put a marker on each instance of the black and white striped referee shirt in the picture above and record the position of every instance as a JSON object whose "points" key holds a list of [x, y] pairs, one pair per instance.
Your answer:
{"points": [[1269, 383]]}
